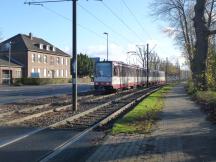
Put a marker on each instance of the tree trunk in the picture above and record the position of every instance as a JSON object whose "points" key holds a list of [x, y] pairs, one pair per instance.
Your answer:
{"points": [[202, 33]]}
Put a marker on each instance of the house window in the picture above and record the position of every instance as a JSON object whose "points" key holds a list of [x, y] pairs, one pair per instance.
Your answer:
{"points": [[33, 57], [45, 58], [57, 73], [62, 61], [52, 60], [33, 70], [47, 47], [66, 61], [45, 72], [41, 46], [39, 58], [39, 72], [54, 49], [18, 75], [58, 60], [66, 73], [62, 73]]}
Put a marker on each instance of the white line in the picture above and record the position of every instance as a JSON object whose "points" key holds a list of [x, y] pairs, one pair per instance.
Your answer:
{"points": [[63, 146], [24, 136]]}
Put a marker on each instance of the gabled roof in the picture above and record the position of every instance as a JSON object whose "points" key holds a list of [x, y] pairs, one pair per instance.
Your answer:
{"points": [[22, 42], [4, 62]]}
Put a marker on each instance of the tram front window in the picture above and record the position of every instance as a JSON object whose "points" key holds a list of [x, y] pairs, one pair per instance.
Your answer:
{"points": [[103, 70]]}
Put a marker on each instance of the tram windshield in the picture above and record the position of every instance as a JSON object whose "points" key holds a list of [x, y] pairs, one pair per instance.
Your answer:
{"points": [[103, 70]]}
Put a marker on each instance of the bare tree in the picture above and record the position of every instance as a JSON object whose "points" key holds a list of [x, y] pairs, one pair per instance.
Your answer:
{"points": [[179, 15], [191, 23], [142, 56], [154, 61]]}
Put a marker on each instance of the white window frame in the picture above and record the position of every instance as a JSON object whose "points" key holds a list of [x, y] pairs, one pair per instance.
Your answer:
{"points": [[57, 73], [45, 59], [62, 73], [45, 72], [66, 73], [41, 46], [39, 57], [58, 60], [33, 57], [66, 61], [47, 47]]}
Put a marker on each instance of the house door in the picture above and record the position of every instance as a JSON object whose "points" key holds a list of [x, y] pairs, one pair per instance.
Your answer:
{"points": [[6, 76]]}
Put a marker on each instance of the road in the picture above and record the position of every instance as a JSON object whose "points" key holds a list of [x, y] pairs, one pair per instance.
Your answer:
{"points": [[14, 94]]}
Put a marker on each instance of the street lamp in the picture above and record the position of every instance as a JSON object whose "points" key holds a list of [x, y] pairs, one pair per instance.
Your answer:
{"points": [[107, 34], [8, 45]]}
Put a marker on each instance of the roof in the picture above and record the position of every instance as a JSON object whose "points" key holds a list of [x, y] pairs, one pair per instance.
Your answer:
{"points": [[5, 62], [22, 42]]}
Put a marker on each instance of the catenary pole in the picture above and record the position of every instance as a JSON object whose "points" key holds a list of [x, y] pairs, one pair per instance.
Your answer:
{"points": [[9, 83], [74, 59], [147, 65]]}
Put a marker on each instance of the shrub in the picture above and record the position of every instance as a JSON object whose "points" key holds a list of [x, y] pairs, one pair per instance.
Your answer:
{"points": [[40, 81], [206, 96], [190, 87]]}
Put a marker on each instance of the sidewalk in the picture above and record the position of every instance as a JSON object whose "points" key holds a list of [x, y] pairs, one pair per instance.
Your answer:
{"points": [[182, 134]]}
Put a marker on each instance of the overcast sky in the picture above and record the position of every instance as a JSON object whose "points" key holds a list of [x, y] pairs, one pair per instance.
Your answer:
{"points": [[53, 23]]}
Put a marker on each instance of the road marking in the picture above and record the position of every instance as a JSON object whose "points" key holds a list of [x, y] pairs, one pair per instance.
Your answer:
{"points": [[3, 144]]}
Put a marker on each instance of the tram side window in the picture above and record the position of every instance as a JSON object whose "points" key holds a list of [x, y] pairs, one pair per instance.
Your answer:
{"points": [[123, 71], [116, 71]]}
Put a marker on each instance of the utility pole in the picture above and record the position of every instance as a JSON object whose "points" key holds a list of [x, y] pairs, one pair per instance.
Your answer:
{"points": [[74, 59], [147, 65], [9, 60]]}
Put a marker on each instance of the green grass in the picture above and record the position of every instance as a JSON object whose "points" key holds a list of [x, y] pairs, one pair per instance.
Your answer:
{"points": [[143, 116]]}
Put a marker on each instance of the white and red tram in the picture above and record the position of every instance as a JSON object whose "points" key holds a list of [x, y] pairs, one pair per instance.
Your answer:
{"points": [[118, 75]]}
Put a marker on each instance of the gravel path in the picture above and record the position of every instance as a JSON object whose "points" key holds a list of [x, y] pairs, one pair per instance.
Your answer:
{"points": [[182, 134]]}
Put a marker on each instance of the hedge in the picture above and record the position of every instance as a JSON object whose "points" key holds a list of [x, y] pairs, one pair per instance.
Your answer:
{"points": [[40, 81], [44, 81]]}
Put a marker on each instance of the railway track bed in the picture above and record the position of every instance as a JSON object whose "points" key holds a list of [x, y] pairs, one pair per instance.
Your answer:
{"points": [[54, 137], [51, 113]]}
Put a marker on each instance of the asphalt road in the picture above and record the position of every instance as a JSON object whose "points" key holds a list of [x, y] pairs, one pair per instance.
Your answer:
{"points": [[15, 94]]}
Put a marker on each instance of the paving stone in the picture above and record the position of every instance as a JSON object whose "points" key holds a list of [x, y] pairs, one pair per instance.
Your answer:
{"points": [[182, 134]]}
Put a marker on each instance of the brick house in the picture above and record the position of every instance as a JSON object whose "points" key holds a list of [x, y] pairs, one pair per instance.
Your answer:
{"points": [[15, 70], [39, 58]]}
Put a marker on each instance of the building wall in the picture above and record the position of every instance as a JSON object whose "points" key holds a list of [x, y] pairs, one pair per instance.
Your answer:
{"points": [[50, 68], [16, 72], [21, 57]]}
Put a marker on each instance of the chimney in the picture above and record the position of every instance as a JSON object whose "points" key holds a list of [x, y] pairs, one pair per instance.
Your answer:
{"points": [[30, 36]]}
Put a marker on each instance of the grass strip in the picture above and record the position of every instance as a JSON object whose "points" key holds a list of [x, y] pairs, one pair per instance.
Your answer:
{"points": [[144, 115]]}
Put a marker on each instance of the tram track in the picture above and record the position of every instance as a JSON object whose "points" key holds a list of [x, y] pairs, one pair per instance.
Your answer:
{"points": [[76, 126], [55, 109]]}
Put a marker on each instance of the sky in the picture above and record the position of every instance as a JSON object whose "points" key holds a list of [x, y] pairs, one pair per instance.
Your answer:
{"points": [[52, 22]]}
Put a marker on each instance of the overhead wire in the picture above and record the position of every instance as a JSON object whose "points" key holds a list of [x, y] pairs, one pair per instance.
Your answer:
{"points": [[81, 26], [121, 20], [135, 18], [99, 20]]}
